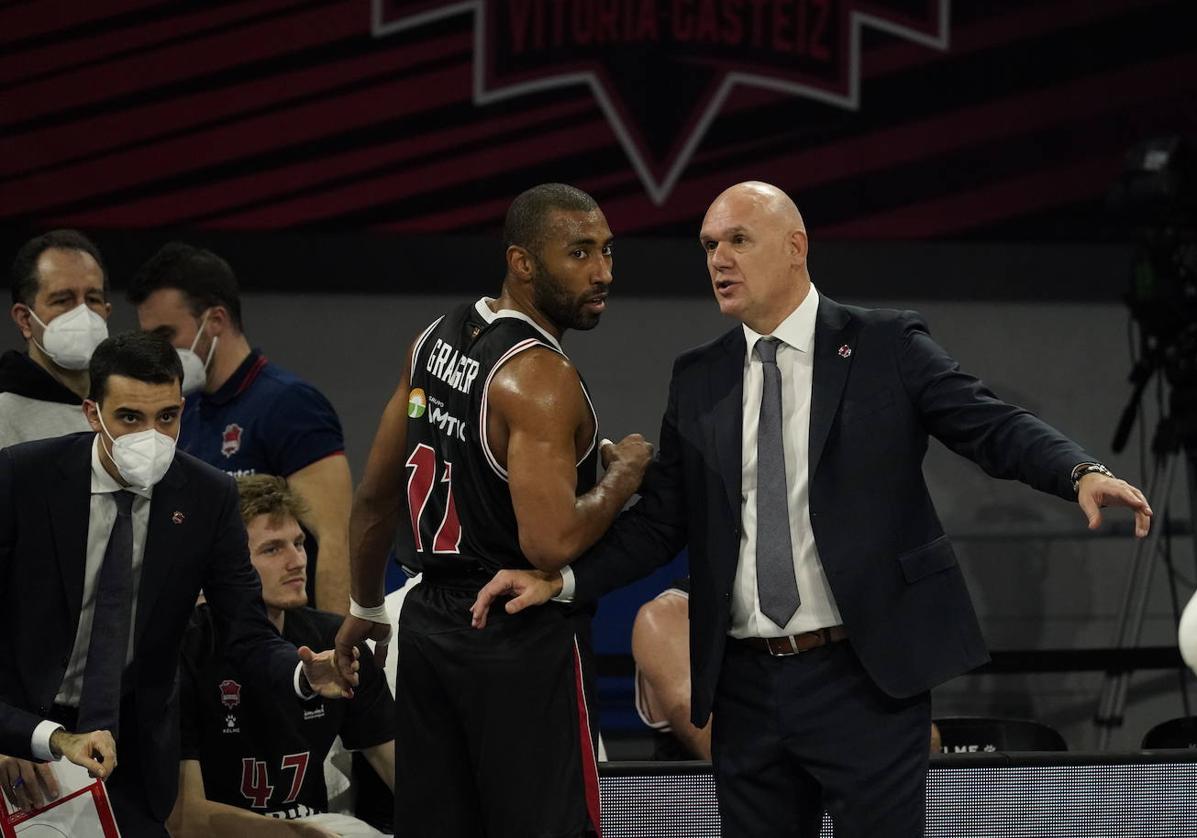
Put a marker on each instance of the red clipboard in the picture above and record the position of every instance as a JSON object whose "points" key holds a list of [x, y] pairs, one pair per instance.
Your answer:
{"points": [[13, 822]]}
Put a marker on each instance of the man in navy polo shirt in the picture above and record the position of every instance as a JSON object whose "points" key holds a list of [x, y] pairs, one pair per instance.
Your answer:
{"points": [[244, 414]]}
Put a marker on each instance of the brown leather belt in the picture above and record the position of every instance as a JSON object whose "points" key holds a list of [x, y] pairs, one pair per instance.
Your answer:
{"points": [[796, 643]]}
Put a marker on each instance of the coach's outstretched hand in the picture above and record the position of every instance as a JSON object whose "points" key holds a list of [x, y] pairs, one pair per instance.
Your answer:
{"points": [[526, 587], [326, 678], [1097, 490]]}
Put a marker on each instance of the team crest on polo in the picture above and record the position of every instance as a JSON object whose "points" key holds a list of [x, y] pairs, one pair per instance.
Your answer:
{"points": [[230, 440], [661, 70], [417, 403], [230, 693], [230, 697]]}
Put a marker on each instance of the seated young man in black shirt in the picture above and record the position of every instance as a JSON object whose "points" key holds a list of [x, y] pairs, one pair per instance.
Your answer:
{"points": [[245, 754]]}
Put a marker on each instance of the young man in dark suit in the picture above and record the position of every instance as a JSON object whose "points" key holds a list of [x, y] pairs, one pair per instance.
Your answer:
{"points": [[825, 600], [106, 539]]}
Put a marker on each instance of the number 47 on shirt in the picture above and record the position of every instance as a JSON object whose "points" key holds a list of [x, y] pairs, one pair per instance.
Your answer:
{"points": [[255, 779]]}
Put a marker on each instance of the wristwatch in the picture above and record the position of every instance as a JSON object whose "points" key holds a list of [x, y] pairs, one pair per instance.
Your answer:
{"points": [[1087, 468]]}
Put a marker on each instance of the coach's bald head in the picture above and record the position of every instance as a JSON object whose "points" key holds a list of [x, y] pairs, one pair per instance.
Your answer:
{"points": [[756, 246]]}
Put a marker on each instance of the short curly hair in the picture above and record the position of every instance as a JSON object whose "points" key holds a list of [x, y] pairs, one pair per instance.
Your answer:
{"points": [[266, 494]]}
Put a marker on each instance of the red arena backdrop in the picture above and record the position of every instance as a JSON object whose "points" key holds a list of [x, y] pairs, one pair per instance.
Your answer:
{"points": [[890, 119]]}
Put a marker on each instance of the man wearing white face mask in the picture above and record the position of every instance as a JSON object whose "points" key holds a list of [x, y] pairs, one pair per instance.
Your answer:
{"points": [[246, 415], [195, 369], [60, 307], [102, 535]]}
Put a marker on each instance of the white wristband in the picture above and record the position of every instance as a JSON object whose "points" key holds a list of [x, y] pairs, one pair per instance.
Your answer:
{"points": [[374, 613]]}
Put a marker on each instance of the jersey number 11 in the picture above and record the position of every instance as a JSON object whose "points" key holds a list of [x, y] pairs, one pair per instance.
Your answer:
{"points": [[420, 486]]}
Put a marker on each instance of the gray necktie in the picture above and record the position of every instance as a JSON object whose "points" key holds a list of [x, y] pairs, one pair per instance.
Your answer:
{"points": [[100, 704], [775, 580]]}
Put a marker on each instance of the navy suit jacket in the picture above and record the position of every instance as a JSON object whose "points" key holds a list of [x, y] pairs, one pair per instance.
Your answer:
{"points": [[880, 386], [194, 539]]}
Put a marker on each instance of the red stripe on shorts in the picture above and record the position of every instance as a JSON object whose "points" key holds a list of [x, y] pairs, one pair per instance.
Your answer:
{"points": [[589, 765]]}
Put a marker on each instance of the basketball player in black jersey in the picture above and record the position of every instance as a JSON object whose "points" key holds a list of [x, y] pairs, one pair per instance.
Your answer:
{"points": [[489, 450]]}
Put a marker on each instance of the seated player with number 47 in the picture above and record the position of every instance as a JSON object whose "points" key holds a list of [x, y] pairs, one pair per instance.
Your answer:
{"points": [[245, 754]]}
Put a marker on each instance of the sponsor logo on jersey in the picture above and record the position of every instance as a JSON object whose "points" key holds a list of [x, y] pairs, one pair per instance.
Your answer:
{"points": [[299, 810], [417, 403], [446, 423], [230, 693], [230, 440], [318, 713]]}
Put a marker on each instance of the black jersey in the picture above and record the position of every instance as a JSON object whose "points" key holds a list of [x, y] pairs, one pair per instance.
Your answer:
{"points": [[266, 753], [461, 513]]}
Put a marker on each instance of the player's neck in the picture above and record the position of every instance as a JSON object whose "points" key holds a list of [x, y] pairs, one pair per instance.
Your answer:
{"points": [[276, 617], [231, 352], [517, 302]]}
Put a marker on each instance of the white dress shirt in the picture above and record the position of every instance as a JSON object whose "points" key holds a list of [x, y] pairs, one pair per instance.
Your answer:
{"points": [[795, 360], [101, 517], [99, 528]]}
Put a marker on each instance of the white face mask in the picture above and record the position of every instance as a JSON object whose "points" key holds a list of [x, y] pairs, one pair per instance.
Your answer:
{"points": [[70, 339], [142, 458], [195, 371]]}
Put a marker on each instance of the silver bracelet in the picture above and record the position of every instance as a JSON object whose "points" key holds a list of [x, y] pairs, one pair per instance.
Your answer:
{"points": [[373, 613], [1087, 468]]}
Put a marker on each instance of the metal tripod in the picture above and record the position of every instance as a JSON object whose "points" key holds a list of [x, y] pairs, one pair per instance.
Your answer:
{"points": [[1175, 441]]}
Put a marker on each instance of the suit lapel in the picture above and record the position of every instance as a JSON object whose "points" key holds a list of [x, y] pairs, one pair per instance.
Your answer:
{"points": [[834, 330], [727, 413], [163, 543], [70, 511]]}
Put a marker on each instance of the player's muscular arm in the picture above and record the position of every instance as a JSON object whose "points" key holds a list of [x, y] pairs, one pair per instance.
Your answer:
{"points": [[379, 501], [541, 424], [380, 498]]}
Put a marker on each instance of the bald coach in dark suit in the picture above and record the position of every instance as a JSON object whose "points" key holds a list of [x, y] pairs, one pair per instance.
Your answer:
{"points": [[825, 599]]}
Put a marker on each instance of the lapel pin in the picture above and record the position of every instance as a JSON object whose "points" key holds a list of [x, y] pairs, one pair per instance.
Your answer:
{"points": [[845, 351], [178, 517]]}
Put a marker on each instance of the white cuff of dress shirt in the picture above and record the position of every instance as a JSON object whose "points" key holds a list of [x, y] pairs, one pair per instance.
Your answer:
{"points": [[567, 585], [306, 695], [40, 744]]}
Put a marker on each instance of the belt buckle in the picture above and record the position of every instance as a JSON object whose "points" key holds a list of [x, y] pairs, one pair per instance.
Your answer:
{"points": [[784, 653]]}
